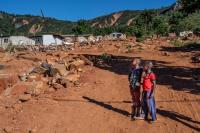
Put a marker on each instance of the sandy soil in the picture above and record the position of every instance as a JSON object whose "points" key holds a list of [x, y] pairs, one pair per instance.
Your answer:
{"points": [[102, 102]]}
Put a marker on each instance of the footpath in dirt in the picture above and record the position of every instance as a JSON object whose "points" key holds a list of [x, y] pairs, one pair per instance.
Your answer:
{"points": [[101, 102]]}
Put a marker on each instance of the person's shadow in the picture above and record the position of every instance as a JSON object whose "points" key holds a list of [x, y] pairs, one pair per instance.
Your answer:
{"points": [[169, 114], [107, 106], [179, 118]]}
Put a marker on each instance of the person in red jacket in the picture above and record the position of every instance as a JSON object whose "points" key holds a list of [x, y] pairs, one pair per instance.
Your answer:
{"points": [[148, 82]]}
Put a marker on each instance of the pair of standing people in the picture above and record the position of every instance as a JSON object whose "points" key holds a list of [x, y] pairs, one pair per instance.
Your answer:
{"points": [[142, 87]]}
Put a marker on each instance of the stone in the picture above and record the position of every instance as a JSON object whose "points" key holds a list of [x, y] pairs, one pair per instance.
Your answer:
{"points": [[25, 97], [78, 63], [34, 130], [49, 90], [72, 77], [63, 82], [2, 131], [34, 77], [39, 70], [80, 70], [57, 86], [23, 77], [166, 54], [18, 89], [7, 81], [61, 69], [87, 62], [17, 107], [35, 88], [8, 129]]}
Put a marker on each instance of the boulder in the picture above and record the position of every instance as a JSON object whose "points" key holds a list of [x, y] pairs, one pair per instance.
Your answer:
{"points": [[87, 62], [7, 81], [34, 77], [25, 97], [35, 88], [23, 77], [8, 129], [61, 69], [78, 63], [72, 77], [57, 86], [17, 89]]}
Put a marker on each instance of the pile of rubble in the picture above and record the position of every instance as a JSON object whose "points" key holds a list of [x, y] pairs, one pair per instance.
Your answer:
{"points": [[39, 48], [48, 76]]}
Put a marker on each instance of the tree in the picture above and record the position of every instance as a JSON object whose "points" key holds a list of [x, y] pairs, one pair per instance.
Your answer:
{"points": [[174, 20], [189, 6], [160, 26], [145, 19], [175, 17], [82, 27]]}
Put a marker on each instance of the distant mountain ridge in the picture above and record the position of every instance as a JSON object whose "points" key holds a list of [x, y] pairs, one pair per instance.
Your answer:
{"points": [[28, 24]]}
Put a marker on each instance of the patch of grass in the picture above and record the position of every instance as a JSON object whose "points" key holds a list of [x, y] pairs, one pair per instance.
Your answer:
{"points": [[140, 49], [177, 43], [10, 48], [140, 39], [105, 56]]}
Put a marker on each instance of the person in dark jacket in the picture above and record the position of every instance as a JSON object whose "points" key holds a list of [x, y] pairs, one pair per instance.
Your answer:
{"points": [[134, 82]]}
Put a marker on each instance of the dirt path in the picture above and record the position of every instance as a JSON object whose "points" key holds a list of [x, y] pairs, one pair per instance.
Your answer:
{"points": [[102, 103]]}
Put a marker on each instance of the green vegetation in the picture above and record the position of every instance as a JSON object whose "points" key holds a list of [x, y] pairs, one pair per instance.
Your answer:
{"points": [[105, 56], [177, 43], [184, 15], [189, 6]]}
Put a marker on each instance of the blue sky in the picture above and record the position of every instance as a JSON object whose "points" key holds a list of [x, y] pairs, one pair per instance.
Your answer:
{"points": [[77, 9]]}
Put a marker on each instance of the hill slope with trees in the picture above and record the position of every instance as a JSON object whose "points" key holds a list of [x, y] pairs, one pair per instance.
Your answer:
{"points": [[184, 15]]}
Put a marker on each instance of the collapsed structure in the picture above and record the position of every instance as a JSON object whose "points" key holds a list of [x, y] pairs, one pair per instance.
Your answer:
{"points": [[56, 40], [15, 40]]}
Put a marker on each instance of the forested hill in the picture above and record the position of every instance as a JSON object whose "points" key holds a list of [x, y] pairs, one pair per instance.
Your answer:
{"points": [[184, 15]]}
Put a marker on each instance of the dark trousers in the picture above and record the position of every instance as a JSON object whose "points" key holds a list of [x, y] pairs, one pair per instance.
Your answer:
{"points": [[136, 107]]}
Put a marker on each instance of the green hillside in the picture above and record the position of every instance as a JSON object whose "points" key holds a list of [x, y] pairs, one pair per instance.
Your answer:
{"points": [[184, 15]]}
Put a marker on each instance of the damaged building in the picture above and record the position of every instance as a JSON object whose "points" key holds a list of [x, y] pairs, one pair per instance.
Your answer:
{"points": [[15, 40], [47, 40]]}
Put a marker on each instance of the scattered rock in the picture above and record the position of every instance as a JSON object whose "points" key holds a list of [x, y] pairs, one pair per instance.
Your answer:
{"points": [[63, 82], [57, 86], [18, 89], [78, 63], [35, 88], [34, 77], [23, 77], [25, 97], [61, 69], [7, 81], [2, 131], [87, 62], [80, 70], [49, 90], [34, 130], [166, 54], [17, 107], [8, 129], [72, 77]]}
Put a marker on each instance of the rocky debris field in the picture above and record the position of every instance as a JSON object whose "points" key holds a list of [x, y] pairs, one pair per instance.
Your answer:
{"points": [[85, 89], [25, 75]]}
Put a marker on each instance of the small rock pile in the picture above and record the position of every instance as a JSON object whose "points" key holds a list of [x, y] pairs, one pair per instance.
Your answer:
{"points": [[52, 75]]}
